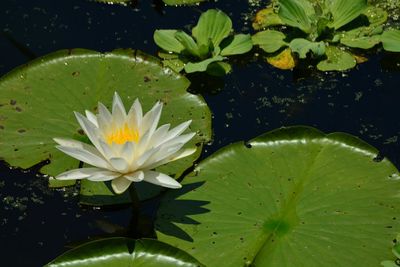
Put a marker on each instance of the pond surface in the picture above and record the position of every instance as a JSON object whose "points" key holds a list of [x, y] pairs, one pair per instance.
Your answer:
{"points": [[38, 224]]}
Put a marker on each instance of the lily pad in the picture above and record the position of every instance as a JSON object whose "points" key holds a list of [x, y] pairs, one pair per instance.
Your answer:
{"points": [[291, 197], [363, 37], [37, 101], [302, 46], [117, 252], [337, 59]]}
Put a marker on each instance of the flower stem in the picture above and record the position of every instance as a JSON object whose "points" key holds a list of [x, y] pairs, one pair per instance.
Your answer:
{"points": [[134, 224]]}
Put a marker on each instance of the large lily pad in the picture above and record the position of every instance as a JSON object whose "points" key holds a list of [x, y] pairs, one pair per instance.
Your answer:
{"points": [[391, 40], [37, 101], [118, 252], [291, 197]]}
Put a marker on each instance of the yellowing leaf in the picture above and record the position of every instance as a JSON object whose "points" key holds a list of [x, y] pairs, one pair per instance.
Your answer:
{"points": [[283, 61]]}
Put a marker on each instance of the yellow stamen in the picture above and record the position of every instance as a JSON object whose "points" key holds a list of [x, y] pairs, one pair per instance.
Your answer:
{"points": [[122, 135]]}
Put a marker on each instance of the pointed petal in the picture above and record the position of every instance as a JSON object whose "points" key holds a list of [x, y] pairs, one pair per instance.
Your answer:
{"points": [[159, 135], [103, 175], [177, 155], [77, 174], [127, 151], [151, 119], [89, 128], [120, 184], [177, 130], [119, 164], [118, 107], [104, 118], [135, 115], [181, 139], [91, 117], [161, 179], [87, 154], [144, 157], [135, 177]]}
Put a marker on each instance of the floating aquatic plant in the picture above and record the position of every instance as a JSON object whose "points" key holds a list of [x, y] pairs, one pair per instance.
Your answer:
{"points": [[327, 31], [126, 146], [209, 47]]}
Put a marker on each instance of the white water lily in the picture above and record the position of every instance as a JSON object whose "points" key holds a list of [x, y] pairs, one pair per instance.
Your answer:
{"points": [[126, 146]]}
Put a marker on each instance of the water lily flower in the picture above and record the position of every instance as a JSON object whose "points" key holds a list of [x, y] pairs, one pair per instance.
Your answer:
{"points": [[126, 146]]}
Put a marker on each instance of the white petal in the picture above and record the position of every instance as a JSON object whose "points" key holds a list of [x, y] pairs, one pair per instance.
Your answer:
{"points": [[163, 156], [90, 129], [87, 154], [119, 164], [177, 130], [104, 118], [135, 115], [161, 179], [178, 155], [159, 135], [103, 175], [77, 173], [135, 177], [91, 117], [151, 119], [106, 150], [120, 184], [128, 151], [145, 156], [182, 139], [118, 108]]}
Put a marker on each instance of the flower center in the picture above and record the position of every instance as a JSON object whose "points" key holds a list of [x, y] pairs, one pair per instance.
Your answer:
{"points": [[122, 135]]}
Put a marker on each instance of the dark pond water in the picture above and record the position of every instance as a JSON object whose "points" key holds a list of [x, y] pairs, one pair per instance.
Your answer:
{"points": [[36, 224]]}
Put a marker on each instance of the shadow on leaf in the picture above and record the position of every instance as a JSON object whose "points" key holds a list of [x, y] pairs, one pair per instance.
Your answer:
{"points": [[178, 211]]}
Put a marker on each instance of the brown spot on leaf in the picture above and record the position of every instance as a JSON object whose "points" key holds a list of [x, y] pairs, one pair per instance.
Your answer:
{"points": [[13, 102], [76, 73], [18, 109], [21, 130], [146, 79], [1, 127], [81, 132]]}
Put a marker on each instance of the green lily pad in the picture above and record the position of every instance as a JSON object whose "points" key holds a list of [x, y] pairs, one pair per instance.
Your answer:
{"points": [[337, 59], [118, 252], [37, 101], [237, 44], [291, 197], [391, 40], [269, 40]]}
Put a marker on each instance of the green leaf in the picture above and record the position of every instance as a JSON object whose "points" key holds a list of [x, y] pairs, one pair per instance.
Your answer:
{"points": [[167, 41], [391, 40], [293, 13], [37, 101], [376, 16], [187, 41], [239, 44], [270, 41], [119, 252], [396, 250], [182, 2], [191, 67], [337, 59], [303, 46], [213, 25], [363, 37], [291, 197], [175, 64], [345, 11]]}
